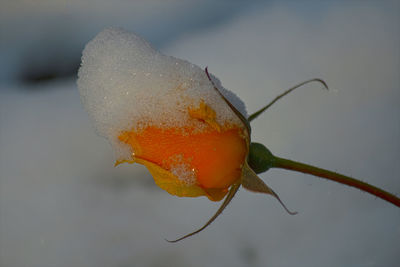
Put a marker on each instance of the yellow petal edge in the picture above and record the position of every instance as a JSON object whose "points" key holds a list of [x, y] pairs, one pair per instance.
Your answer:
{"points": [[170, 183]]}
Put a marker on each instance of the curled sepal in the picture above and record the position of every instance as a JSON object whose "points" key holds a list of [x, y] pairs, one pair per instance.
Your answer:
{"points": [[231, 194], [233, 108], [257, 113], [253, 183]]}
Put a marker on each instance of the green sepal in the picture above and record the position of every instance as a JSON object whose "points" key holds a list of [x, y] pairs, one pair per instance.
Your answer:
{"points": [[260, 159], [253, 183]]}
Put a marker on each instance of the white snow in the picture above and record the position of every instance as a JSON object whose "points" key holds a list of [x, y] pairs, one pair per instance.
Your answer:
{"points": [[182, 170], [125, 84]]}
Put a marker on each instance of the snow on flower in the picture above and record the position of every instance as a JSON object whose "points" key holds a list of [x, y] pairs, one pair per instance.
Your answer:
{"points": [[164, 113], [177, 120]]}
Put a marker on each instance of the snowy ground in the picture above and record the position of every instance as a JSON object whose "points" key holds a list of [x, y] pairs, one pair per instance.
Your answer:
{"points": [[62, 203]]}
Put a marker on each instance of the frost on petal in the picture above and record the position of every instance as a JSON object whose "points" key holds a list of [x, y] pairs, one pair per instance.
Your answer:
{"points": [[127, 85], [175, 186]]}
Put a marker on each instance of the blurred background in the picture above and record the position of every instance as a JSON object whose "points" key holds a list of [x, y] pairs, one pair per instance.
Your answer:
{"points": [[62, 203]]}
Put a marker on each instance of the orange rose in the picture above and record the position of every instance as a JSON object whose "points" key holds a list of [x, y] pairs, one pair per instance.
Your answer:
{"points": [[168, 115], [179, 122]]}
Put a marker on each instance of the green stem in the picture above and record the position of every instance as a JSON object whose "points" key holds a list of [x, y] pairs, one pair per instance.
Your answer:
{"points": [[333, 176]]}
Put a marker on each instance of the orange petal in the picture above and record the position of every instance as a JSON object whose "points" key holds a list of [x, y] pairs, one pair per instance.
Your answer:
{"points": [[206, 114], [216, 157], [170, 183], [209, 159]]}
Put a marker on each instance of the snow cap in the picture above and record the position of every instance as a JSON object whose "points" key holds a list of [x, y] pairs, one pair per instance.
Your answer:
{"points": [[127, 85]]}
